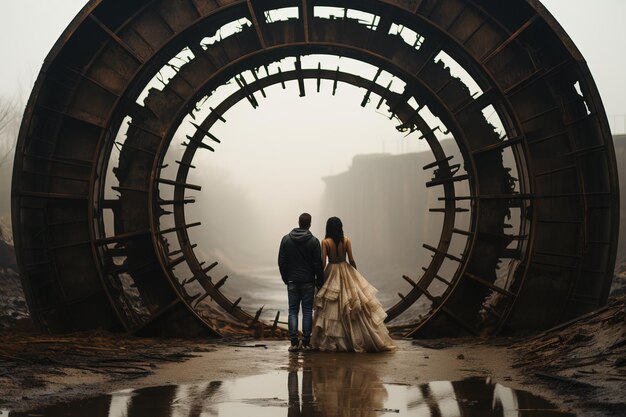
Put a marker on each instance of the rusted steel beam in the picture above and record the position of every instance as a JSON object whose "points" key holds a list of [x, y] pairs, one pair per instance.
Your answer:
{"points": [[489, 285], [116, 38], [180, 184], [510, 39], [176, 228], [256, 24]]}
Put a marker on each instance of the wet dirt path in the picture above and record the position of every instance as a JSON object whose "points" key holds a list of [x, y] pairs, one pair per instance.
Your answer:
{"points": [[268, 380]]}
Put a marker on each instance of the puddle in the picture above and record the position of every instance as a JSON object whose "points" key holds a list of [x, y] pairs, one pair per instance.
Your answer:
{"points": [[315, 391]]}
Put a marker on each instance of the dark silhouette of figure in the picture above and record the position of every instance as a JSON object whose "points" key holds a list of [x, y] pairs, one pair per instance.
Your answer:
{"points": [[300, 406], [300, 264], [333, 388]]}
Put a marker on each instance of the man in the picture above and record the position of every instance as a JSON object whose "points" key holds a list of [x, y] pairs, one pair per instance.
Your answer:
{"points": [[300, 264]]}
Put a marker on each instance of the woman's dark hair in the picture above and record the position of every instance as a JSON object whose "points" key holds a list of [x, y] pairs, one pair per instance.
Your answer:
{"points": [[334, 230]]}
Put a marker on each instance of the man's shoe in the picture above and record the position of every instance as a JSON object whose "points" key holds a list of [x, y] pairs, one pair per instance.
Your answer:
{"points": [[307, 348], [294, 348]]}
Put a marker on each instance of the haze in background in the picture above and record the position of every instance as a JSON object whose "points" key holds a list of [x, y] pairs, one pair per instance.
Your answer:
{"points": [[273, 164], [272, 161]]}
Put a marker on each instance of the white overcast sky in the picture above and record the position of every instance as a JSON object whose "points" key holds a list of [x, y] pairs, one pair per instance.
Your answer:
{"points": [[29, 28]]}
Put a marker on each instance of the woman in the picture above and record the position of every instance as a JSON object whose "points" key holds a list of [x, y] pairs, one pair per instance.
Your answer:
{"points": [[348, 317]]}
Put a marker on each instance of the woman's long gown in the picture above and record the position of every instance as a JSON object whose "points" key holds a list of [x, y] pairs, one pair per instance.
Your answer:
{"points": [[348, 316]]}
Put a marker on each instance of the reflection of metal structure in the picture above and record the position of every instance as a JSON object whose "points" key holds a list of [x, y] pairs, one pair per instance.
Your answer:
{"points": [[325, 391], [560, 192]]}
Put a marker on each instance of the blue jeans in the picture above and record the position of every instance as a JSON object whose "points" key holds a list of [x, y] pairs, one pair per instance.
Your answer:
{"points": [[300, 293]]}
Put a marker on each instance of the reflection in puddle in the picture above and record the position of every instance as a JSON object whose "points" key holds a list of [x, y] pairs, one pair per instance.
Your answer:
{"points": [[309, 390]]}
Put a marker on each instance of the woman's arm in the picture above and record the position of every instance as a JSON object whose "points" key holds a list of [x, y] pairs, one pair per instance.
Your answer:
{"points": [[324, 252], [349, 250]]}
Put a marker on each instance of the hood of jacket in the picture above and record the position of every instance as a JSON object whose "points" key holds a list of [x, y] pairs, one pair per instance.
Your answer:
{"points": [[300, 235]]}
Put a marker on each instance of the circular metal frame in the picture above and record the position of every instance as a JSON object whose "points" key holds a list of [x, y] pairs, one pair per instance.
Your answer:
{"points": [[91, 260]]}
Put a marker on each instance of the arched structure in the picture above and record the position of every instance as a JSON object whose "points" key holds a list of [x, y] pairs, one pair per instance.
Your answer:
{"points": [[537, 175]]}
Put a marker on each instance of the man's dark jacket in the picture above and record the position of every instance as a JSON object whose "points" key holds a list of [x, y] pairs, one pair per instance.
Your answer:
{"points": [[300, 258]]}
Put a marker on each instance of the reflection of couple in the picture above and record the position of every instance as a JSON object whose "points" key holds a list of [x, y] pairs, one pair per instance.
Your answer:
{"points": [[334, 391], [348, 317]]}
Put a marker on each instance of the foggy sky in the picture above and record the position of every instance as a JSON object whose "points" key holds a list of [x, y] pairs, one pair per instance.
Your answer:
{"points": [[29, 28]]}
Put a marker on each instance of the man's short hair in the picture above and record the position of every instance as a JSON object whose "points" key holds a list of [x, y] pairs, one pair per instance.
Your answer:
{"points": [[304, 221]]}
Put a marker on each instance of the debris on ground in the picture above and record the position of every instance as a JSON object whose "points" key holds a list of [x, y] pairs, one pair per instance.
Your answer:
{"points": [[13, 308], [433, 344], [585, 356], [618, 286], [32, 357]]}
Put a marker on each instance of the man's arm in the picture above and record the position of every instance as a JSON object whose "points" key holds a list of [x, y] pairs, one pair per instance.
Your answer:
{"points": [[317, 264], [282, 260]]}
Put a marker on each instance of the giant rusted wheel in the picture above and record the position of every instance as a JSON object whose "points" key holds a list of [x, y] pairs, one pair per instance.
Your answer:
{"points": [[539, 185]]}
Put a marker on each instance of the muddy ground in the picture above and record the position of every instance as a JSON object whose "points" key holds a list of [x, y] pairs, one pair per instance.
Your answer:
{"points": [[580, 367], [52, 380]]}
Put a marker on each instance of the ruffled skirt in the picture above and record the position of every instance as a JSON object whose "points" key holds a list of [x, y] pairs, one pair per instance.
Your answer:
{"points": [[348, 316]]}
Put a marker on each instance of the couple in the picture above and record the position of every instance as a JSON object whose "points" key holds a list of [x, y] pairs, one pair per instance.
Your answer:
{"points": [[348, 317]]}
